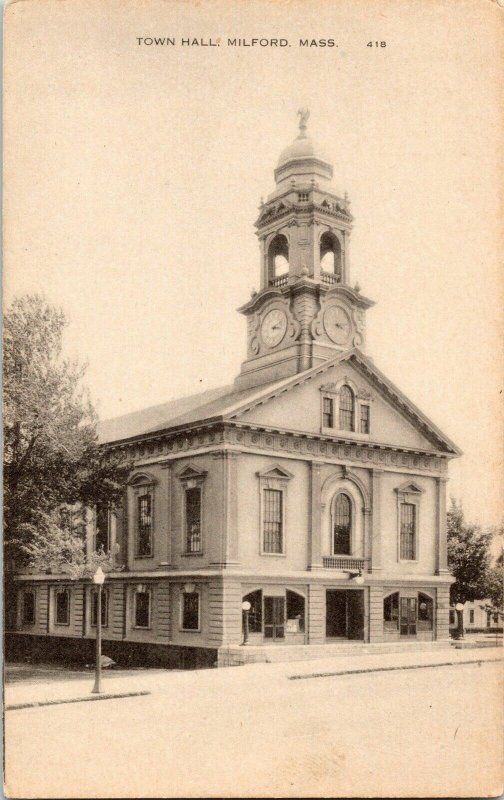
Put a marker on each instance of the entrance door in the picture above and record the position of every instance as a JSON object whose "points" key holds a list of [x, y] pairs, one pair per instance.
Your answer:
{"points": [[408, 616], [336, 614], [274, 618]]}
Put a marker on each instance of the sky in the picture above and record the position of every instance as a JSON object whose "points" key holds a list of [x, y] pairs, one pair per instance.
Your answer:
{"points": [[133, 175]]}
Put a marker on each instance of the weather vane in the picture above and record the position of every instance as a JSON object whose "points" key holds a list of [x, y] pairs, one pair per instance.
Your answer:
{"points": [[303, 114]]}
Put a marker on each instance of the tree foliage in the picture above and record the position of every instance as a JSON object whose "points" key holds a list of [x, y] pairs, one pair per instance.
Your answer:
{"points": [[468, 557], [51, 451]]}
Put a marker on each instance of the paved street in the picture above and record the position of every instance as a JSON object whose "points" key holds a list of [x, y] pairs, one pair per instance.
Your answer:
{"points": [[252, 731]]}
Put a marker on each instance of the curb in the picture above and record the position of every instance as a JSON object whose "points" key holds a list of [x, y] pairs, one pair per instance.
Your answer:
{"points": [[392, 669], [38, 703]]}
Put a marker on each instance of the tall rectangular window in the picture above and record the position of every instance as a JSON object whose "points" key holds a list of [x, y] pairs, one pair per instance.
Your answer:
{"points": [[144, 526], [62, 607], [190, 611], [272, 521], [104, 607], [102, 528], [193, 519], [327, 413], [28, 608], [471, 616], [408, 532], [142, 609], [364, 419], [346, 409]]}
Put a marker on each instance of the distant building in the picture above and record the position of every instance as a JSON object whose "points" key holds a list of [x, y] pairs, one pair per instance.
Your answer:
{"points": [[311, 488], [476, 618]]}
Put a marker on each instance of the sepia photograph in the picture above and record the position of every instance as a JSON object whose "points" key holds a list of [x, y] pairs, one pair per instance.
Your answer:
{"points": [[253, 398]]}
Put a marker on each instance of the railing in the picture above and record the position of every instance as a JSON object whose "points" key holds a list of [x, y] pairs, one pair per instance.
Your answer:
{"points": [[329, 277], [282, 280], [342, 562]]}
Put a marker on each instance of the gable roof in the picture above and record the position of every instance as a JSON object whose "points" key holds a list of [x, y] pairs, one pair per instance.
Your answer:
{"points": [[175, 413], [226, 403]]}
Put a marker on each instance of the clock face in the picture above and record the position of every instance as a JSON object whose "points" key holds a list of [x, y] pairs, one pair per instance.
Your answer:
{"points": [[274, 327], [337, 324]]}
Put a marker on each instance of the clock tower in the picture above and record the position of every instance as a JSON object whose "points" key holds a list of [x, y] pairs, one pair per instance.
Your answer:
{"points": [[306, 311]]}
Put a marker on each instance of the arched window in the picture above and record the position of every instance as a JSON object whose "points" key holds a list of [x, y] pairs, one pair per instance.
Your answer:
{"points": [[330, 254], [278, 257], [342, 525], [255, 613], [346, 409]]}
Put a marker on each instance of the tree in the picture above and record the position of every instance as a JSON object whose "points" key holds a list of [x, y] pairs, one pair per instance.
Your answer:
{"points": [[52, 457], [468, 559], [495, 591]]}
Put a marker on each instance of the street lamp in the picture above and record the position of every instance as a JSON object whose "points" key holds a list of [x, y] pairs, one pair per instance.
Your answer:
{"points": [[98, 580], [459, 607], [246, 606]]}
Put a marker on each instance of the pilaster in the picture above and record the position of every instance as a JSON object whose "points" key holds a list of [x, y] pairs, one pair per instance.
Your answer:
{"points": [[166, 515], [316, 614], [225, 614], [441, 541], [315, 521], [227, 552], [375, 539], [375, 614], [442, 612]]}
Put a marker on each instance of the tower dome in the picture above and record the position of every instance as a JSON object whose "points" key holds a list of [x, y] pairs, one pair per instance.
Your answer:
{"points": [[303, 159]]}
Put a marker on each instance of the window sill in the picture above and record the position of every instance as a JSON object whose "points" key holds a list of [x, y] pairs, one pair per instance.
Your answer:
{"points": [[189, 630], [150, 555], [274, 555], [142, 628], [62, 624], [362, 437], [407, 560], [200, 553]]}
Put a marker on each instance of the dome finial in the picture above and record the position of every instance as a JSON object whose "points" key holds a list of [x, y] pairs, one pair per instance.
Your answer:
{"points": [[304, 114]]}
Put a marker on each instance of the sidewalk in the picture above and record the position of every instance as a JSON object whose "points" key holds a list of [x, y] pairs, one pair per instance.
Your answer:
{"points": [[157, 681]]}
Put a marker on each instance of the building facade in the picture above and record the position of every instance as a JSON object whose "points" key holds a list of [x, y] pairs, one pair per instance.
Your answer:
{"points": [[311, 488]]}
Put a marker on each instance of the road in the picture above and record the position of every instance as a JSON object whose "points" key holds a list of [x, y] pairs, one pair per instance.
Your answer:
{"points": [[251, 732]]}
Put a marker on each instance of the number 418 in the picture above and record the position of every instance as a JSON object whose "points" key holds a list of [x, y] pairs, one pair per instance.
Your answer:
{"points": [[376, 44]]}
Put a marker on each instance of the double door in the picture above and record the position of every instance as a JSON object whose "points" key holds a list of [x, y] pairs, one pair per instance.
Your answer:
{"points": [[408, 616], [274, 618]]}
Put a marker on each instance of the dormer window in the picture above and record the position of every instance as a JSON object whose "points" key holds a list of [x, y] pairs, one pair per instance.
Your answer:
{"points": [[303, 197]]}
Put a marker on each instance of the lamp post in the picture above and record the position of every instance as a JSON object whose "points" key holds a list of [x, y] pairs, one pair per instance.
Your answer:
{"points": [[459, 608], [246, 606], [98, 580]]}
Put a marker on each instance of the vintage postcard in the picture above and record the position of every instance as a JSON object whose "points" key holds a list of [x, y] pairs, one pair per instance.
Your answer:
{"points": [[253, 418]]}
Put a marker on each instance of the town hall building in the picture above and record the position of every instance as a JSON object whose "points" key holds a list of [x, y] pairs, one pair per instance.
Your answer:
{"points": [[311, 491]]}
